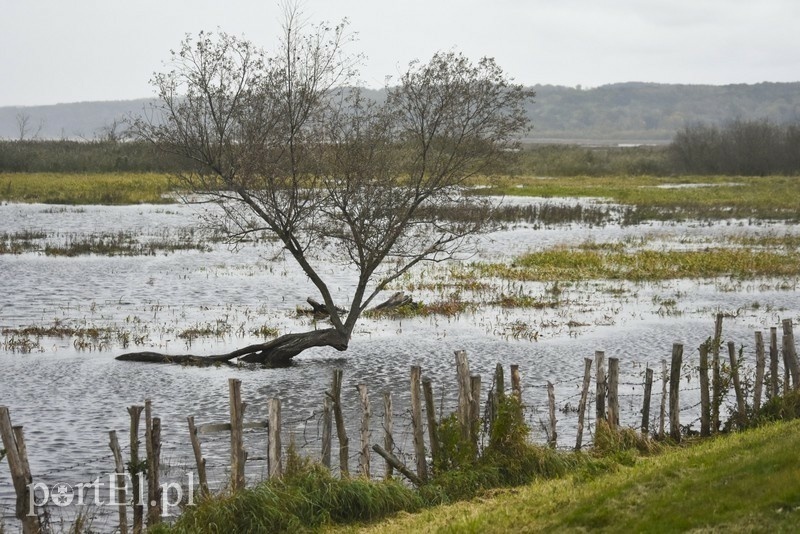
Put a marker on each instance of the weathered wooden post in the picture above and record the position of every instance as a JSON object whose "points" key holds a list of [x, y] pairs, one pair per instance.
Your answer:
{"points": [[327, 430], [613, 393], [760, 364], [742, 409], [119, 482], [705, 404], [674, 388], [464, 394], [363, 461], [773, 362], [13, 440], [416, 423], [587, 377], [600, 388], [341, 432], [274, 456], [388, 439], [238, 454], [791, 352], [430, 413], [153, 468], [138, 506], [716, 377], [198, 457], [552, 437], [663, 409], [648, 391]]}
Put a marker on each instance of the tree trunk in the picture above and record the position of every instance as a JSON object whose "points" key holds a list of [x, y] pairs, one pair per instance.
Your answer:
{"points": [[276, 353]]}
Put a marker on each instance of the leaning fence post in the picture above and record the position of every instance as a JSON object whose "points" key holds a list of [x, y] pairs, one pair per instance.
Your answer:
{"points": [[136, 470], [275, 460], [648, 391], [736, 384], [774, 391], [238, 455], [674, 387], [600, 389], [16, 453], [791, 352], [198, 456], [363, 462], [613, 393], [344, 448], [430, 413], [705, 407], [416, 422], [119, 469], [760, 364], [552, 437], [587, 377]]}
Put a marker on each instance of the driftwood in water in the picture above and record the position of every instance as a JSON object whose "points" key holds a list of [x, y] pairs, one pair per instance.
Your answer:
{"points": [[318, 310], [276, 353], [395, 301]]}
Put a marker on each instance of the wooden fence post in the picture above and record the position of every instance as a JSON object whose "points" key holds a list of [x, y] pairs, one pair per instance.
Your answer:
{"points": [[430, 412], [791, 352], [198, 457], [600, 388], [760, 364], [587, 377], [716, 378], [363, 462], [388, 440], [416, 422], [119, 469], [774, 391], [138, 506], [341, 432], [238, 454], [274, 457], [742, 415], [464, 394], [154, 466], [674, 388], [648, 391], [397, 464], [13, 440], [613, 393], [148, 447], [705, 405], [327, 430], [552, 437]]}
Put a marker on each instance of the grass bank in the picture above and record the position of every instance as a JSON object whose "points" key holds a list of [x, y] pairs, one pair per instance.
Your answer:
{"points": [[92, 188], [747, 482]]}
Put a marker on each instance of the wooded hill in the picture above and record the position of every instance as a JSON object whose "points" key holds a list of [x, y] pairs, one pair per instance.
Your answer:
{"points": [[616, 113]]}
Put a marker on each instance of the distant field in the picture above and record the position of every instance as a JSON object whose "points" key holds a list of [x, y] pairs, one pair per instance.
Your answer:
{"points": [[93, 188]]}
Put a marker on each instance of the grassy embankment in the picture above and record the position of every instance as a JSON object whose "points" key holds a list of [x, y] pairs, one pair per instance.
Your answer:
{"points": [[84, 189], [747, 482]]}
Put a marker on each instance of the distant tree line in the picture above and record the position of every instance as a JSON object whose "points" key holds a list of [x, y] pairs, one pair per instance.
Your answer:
{"points": [[749, 148]]}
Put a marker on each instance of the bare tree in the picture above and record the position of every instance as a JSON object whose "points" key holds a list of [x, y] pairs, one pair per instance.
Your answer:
{"points": [[24, 127], [284, 143]]}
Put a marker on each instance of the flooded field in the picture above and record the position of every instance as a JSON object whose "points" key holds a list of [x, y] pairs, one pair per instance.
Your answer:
{"points": [[168, 286]]}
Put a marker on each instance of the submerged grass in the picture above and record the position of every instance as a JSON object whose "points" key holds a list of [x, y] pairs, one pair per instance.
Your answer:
{"points": [[94, 188]]}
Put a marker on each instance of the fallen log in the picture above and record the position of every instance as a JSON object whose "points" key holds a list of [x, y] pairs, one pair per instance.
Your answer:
{"points": [[276, 353], [395, 301], [318, 310]]}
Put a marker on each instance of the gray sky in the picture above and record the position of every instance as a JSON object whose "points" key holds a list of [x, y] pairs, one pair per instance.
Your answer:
{"points": [[54, 51]]}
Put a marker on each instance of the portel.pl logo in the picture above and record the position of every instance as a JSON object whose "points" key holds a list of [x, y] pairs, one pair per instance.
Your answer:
{"points": [[107, 494]]}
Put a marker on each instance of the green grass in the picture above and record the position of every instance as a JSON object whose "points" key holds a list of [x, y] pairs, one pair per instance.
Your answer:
{"points": [[747, 482], [76, 189], [769, 197]]}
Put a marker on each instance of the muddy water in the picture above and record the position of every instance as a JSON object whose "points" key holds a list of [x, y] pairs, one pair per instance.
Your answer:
{"points": [[69, 392]]}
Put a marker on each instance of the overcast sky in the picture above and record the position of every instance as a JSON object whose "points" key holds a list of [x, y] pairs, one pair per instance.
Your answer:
{"points": [[54, 51]]}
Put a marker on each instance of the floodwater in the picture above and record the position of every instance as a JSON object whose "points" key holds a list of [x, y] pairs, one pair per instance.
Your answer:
{"points": [[68, 393]]}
